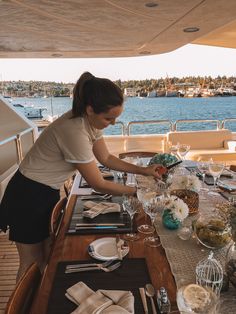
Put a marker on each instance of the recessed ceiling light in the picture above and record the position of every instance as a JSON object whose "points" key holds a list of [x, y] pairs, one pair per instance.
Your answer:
{"points": [[57, 55], [191, 29], [151, 4], [145, 53]]}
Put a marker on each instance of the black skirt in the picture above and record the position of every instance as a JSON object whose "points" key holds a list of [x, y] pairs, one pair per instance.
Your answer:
{"points": [[26, 209]]}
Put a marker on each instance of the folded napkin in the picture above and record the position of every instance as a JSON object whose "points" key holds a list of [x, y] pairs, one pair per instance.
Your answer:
{"points": [[101, 301], [94, 209]]}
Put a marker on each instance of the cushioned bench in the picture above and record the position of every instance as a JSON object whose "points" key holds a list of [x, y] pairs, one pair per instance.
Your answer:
{"points": [[216, 144]]}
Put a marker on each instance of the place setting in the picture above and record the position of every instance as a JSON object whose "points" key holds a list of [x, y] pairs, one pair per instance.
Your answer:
{"points": [[109, 283]]}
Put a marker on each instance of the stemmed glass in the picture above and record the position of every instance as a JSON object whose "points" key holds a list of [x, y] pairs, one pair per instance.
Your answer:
{"points": [[152, 209], [203, 167], [173, 149], [215, 170], [131, 205], [145, 196], [183, 149]]}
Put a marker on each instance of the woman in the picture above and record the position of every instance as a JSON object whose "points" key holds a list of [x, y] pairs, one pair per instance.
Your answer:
{"points": [[70, 143]]}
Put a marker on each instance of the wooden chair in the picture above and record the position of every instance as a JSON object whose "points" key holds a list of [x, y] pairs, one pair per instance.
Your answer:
{"points": [[56, 217], [68, 185], [137, 154], [21, 298]]}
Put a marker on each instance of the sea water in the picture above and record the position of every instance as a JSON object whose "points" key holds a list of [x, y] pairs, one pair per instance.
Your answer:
{"points": [[159, 108]]}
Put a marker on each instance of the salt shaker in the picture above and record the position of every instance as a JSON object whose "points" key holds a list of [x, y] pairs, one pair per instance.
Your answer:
{"points": [[163, 301]]}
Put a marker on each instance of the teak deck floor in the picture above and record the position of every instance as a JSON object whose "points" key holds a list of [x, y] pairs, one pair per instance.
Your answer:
{"points": [[9, 262]]}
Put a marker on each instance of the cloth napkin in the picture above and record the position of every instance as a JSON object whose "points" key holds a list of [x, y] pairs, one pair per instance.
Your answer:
{"points": [[101, 301], [94, 209]]}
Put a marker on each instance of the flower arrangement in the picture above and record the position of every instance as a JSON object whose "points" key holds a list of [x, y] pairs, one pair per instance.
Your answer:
{"points": [[176, 207], [188, 182]]}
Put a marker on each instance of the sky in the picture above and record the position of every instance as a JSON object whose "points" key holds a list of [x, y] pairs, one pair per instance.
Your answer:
{"points": [[189, 60]]}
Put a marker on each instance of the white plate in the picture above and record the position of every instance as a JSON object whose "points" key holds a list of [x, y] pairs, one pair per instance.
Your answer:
{"points": [[104, 249]]}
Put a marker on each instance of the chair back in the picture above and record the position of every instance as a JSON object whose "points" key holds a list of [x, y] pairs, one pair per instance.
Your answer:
{"points": [[68, 185], [21, 298], [56, 217], [137, 154]]}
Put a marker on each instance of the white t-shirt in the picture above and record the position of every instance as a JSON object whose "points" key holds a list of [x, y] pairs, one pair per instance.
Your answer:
{"points": [[52, 158]]}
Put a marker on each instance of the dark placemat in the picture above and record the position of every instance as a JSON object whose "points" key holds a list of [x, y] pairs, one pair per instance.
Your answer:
{"points": [[114, 218], [132, 275], [227, 195]]}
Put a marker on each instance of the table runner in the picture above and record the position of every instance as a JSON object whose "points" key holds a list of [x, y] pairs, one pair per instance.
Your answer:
{"points": [[130, 276], [183, 256]]}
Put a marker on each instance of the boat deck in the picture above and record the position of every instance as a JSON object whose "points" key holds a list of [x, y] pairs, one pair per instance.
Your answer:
{"points": [[9, 263]]}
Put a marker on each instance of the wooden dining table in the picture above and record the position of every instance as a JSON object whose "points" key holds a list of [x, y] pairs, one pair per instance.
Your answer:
{"points": [[74, 247]]}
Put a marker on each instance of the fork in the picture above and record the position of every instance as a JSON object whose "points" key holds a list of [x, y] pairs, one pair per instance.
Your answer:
{"points": [[106, 269], [105, 264]]}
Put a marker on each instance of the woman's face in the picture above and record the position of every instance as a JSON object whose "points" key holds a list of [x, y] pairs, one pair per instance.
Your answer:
{"points": [[103, 120]]}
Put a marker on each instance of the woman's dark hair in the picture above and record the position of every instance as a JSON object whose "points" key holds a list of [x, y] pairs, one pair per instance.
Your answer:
{"points": [[99, 93]]}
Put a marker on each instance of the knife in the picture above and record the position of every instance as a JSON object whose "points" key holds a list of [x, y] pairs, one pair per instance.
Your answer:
{"points": [[96, 227], [99, 224]]}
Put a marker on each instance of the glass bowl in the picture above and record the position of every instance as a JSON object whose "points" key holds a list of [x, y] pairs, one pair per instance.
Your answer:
{"points": [[212, 232]]}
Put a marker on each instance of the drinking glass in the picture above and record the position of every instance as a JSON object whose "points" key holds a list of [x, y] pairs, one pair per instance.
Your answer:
{"points": [[131, 205], [203, 167], [145, 195], [152, 209], [183, 149], [215, 170], [173, 149]]}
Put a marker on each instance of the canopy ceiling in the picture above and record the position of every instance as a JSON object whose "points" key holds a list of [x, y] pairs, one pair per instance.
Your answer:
{"points": [[111, 28]]}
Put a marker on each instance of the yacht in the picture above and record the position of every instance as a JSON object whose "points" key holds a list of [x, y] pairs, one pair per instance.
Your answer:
{"points": [[30, 112], [116, 28]]}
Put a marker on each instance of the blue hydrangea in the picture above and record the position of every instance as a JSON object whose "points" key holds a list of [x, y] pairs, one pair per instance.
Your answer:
{"points": [[164, 159]]}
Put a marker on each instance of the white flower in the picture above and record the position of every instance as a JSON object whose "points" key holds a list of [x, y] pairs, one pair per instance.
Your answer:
{"points": [[188, 182], [178, 208]]}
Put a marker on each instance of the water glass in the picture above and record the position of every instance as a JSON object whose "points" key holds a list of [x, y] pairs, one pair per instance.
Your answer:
{"points": [[215, 170], [183, 149], [131, 206], [145, 196], [203, 167]]}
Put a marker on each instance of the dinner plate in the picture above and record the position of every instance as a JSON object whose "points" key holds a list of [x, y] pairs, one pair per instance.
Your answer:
{"points": [[228, 184], [105, 249]]}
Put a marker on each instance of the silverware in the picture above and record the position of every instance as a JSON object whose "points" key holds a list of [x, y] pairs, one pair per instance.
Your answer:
{"points": [[144, 300], [96, 227], [99, 224], [150, 292], [105, 264], [94, 197], [82, 269]]}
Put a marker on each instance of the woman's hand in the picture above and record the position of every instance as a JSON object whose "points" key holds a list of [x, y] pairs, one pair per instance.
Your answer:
{"points": [[154, 170]]}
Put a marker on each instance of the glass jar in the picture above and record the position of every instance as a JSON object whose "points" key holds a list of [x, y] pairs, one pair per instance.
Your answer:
{"points": [[213, 231]]}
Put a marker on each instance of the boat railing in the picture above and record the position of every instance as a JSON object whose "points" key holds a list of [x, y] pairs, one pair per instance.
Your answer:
{"points": [[18, 141], [122, 126], [177, 122], [226, 121], [132, 123]]}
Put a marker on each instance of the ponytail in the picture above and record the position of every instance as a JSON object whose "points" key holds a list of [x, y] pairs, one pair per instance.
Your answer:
{"points": [[99, 93]]}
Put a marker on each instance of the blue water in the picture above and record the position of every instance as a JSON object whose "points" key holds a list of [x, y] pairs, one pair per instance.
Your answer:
{"points": [[162, 108]]}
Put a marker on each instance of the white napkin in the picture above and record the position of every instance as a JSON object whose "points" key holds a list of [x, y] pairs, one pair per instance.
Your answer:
{"points": [[100, 208], [101, 301]]}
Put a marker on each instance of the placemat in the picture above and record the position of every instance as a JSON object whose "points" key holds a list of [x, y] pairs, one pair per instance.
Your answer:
{"points": [[132, 274], [113, 218]]}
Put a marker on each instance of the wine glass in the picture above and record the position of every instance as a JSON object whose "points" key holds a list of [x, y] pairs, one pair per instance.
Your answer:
{"points": [[215, 170], [203, 167], [152, 209], [131, 206], [173, 149], [183, 149], [145, 195]]}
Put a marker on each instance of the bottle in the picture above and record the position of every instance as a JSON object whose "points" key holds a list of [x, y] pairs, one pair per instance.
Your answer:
{"points": [[163, 301]]}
